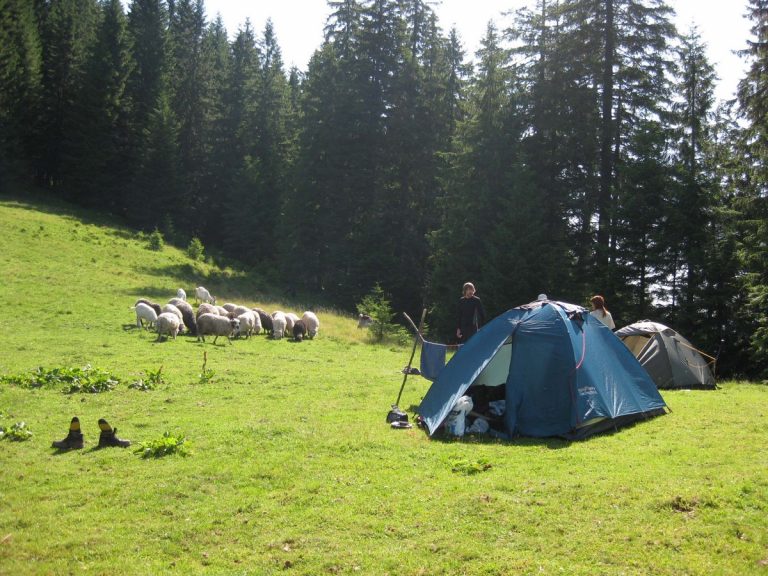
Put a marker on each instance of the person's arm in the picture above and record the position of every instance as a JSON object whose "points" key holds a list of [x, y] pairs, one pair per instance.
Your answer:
{"points": [[480, 313], [458, 320]]}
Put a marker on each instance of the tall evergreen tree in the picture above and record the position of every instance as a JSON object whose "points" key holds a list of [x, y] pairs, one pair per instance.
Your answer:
{"points": [[20, 59], [153, 191], [97, 130], [690, 217], [68, 28], [189, 84], [753, 197]]}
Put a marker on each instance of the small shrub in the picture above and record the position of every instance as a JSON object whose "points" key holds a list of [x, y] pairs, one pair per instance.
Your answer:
{"points": [[156, 241], [154, 378], [16, 433], [86, 379], [377, 306], [166, 445], [467, 467], [196, 250], [206, 374]]}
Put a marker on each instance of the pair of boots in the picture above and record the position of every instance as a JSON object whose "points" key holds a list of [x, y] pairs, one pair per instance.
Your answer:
{"points": [[74, 439]]}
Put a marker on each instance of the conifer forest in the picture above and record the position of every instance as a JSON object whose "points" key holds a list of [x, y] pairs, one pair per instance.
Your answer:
{"points": [[580, 151]]}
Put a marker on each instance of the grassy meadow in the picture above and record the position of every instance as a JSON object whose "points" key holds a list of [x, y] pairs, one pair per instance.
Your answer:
{"points": [[293, 469]]}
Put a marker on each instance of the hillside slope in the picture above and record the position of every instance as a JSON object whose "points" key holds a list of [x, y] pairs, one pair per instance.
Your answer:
{"points": [[293, 469]]}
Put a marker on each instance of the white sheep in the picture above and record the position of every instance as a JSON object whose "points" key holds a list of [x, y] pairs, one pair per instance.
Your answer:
{"points": [[173, 309], [155, 307], [278, 325], [223, 311], [312, 323], [229, 307], [290, 320], [202, 295], [205, 308], [247, 323], [181, 295], [168, 324], [145, 312], [213, 325], [238, 310]]}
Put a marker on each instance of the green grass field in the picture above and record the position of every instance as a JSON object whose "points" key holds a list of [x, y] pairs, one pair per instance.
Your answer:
{"points": [[293, 469]]}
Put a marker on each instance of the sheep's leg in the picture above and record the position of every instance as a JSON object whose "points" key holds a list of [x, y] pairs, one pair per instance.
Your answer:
{"points": [[216, 338]]}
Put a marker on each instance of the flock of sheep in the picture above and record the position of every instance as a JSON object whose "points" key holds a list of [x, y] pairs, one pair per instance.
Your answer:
{"points": [[230, 320]]}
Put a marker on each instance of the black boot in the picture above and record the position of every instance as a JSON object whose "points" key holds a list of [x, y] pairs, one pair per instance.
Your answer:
{"points": [[109, 437], [74, 439]]}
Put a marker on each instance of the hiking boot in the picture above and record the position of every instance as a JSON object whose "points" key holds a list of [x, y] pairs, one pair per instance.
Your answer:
{"points": [[109, 437], [74, 439]]}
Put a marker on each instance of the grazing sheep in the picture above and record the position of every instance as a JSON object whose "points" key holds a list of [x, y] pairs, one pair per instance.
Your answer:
{"points": [[181, 295], [168, 323], [247, 323], [290, 320], [224, 312], [155, 307], [278, 325], [238, 310], [202, 295], [266, 320], [299, 330], [229, 306], [173, 309], [207, 309], [364, 321], [145, 312], [187, 314], [256, 322], [312, 323], [213, 325]]}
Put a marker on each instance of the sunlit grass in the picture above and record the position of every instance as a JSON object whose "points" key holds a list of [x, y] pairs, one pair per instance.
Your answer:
{"points": [[292, 467]]}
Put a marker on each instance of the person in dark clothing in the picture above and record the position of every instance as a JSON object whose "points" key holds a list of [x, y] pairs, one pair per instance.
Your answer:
{"points": [[471, 314]]}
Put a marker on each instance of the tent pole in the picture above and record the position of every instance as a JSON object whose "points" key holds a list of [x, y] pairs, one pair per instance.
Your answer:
{"points": [[416, 341]]}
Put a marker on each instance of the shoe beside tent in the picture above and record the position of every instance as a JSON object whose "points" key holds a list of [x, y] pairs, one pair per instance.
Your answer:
{"points": [[671, 361], [564, 373]]}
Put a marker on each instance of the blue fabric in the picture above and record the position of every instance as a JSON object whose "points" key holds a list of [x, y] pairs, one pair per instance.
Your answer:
{"points": [[567, 370], [432, 359]]}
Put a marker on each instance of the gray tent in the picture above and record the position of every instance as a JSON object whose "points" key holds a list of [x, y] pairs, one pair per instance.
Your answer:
{"points": [[671, 361]]}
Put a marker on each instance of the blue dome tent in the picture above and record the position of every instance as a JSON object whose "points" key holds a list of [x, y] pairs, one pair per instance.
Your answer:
{"points": [[564, 373]]}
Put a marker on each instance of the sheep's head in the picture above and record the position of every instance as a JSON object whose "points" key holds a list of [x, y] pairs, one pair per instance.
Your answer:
{"points": [[235, 323]]}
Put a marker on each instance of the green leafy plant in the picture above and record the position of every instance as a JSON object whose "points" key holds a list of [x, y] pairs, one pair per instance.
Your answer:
{"points": [[195, 249], [206, 374], [376, 304], [86, 379], [469, 467], [153, 379], [166, 445], [156, 240], [17, 432]]}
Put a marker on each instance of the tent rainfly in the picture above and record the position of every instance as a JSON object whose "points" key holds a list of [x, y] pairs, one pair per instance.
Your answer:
{"points": [[671, 361], [563, 373]]}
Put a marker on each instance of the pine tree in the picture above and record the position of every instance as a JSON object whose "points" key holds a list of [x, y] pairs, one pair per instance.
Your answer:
{"points": [[97, 130], [153, 191], [68, 29], [753, 199], [20, 58]]}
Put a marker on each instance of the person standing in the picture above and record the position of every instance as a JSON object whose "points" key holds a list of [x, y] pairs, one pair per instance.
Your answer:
{"points": [[471, 314], [600, 312]]}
